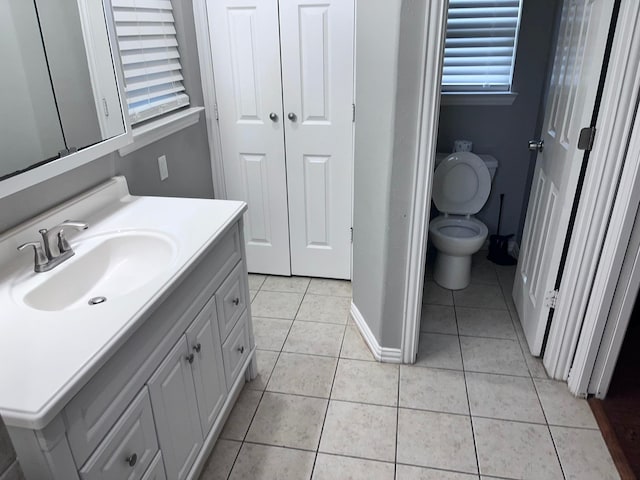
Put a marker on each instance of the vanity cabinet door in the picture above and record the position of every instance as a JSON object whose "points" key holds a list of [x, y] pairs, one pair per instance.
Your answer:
{"points": [[207, 367], [175, 409]]}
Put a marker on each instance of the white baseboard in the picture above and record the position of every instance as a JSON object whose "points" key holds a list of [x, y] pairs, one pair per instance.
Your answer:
{"points": [[381, 354]]}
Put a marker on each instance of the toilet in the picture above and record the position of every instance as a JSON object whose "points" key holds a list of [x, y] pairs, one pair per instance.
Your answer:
{"points": [[461, 186]]}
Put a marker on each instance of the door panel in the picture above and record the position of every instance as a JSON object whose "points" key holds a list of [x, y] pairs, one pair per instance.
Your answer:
{"points": [[245, 46], [317, 76], [576, 71]]}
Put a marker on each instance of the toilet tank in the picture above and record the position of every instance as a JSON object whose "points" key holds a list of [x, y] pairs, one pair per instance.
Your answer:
{"points": [[489, 160]]}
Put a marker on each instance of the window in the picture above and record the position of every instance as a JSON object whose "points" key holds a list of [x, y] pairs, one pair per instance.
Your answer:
{"points": [[150, 57], [480, 46]]}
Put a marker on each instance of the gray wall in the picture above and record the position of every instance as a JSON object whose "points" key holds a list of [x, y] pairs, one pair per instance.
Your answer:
{"points": [[503, 131], [389, 42]]}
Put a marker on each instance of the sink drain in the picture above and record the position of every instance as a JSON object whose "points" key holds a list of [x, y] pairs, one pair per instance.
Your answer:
{"points": [[97, 300]]}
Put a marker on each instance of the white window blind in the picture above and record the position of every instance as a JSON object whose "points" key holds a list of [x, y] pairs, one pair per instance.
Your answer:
{"points": [[150, 57], [480, 46]]}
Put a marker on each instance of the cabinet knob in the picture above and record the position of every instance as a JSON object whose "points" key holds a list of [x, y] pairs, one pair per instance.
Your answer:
{"points": [[132, 459], [273, 117], [190, 358], [292, 116], [236, 301], [241, 349], [197, 347]]}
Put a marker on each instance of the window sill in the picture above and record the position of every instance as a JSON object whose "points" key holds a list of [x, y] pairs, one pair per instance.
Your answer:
{"points": [[493, 98], [160, 128]]}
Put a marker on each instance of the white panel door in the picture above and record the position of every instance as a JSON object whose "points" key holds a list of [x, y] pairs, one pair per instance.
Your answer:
{"points": [[245, 46], [317, 78], [576, 72]]}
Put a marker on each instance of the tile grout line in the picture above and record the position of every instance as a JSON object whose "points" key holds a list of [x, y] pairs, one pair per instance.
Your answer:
{"points": [[466, 388]]}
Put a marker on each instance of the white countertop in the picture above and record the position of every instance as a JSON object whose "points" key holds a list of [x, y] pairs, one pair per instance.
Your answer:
{"points": [[47, 356]]}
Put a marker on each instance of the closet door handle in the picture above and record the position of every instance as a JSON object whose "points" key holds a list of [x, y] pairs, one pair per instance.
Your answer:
{"points": [[273, 116], [292, 116]]}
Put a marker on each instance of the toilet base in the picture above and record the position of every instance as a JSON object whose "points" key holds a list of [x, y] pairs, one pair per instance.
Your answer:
{"points": [[452, 272]]}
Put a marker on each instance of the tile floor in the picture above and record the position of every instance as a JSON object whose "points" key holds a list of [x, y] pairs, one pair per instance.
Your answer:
{"points": [[475, 405]]}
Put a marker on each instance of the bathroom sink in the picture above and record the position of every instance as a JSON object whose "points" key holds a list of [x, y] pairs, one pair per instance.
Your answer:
{"points": [[104, 268]]}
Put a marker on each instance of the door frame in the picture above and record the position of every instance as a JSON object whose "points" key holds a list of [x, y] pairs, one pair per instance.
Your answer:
{"points": [[420, 207]]}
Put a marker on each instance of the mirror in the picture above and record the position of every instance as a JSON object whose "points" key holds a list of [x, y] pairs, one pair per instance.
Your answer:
{"points": [[58, 89]]}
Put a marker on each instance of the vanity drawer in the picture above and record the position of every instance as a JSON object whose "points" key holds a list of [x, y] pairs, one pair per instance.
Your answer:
{"points": [[231, 300], [129, 448], [236, 349], [156, 470]]}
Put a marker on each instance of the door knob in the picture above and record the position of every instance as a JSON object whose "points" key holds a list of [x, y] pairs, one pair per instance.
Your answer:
{"points": [[273, 116], [536, 145], [132, 459], [292, 116]]}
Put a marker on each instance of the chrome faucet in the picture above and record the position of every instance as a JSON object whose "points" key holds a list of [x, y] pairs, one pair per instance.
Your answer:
{"points": [[47, 255]]}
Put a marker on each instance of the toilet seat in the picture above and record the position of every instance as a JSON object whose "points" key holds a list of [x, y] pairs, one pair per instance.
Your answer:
{"points": [[461, 184], [457, 235]]}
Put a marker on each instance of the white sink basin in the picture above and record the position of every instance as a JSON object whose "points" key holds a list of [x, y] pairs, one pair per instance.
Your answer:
{"points": [[104, 267]]}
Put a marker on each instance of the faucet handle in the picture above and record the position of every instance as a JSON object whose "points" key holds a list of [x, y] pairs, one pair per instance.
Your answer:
{"points": [[40, 258], [63, 243]]}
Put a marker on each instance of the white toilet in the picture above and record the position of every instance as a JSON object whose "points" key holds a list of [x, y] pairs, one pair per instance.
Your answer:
{"points": [[461, 186]]}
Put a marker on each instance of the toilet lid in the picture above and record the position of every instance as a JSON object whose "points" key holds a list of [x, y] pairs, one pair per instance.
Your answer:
{"points": [[461, 184]]}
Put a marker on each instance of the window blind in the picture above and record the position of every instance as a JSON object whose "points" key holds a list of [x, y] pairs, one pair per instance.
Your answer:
{"points": [[150, 57], [480, 45]]}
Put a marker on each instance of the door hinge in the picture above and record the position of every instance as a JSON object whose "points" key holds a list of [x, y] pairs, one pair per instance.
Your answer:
{"points": [[353, 112], [351, 234], [551, 299], [215, 111], [586, 138]]}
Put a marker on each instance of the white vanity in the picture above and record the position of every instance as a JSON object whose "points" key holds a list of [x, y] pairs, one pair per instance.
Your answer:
{"points": [[137, 384]]}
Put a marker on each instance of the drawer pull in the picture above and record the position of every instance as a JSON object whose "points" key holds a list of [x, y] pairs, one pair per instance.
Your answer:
{"points": [[241, 349], [197, 347], [132, 459], [190, 358], [236, 301]]}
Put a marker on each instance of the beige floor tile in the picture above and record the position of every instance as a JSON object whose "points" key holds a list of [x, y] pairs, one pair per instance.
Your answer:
{"points": [[315, 338], [288, 421], [336, 288], [561, 407], [480, 296], [358, 430], [303, 375], [270, 333], [482, 322], [276, 304], [437, 440], [285, 284], [354, 346], [433, 389], [266, 361], [515, 450], [492, 355], [263, 462], [366, 382], [221, 460], [322, 308], [241, 415], [439, 351], [483, 270], [583, 454], [406, 472], [256, 280], [504, 397], [252, 294], [333, 467], [434, 294], [438, 319]]}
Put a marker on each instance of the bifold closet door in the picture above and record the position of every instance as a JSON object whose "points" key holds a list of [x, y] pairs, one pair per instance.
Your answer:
{"points": [[245, 45], [317, 79]]}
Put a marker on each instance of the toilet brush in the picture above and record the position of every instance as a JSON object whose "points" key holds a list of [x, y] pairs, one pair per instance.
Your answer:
{"points": [[499, 244]]}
